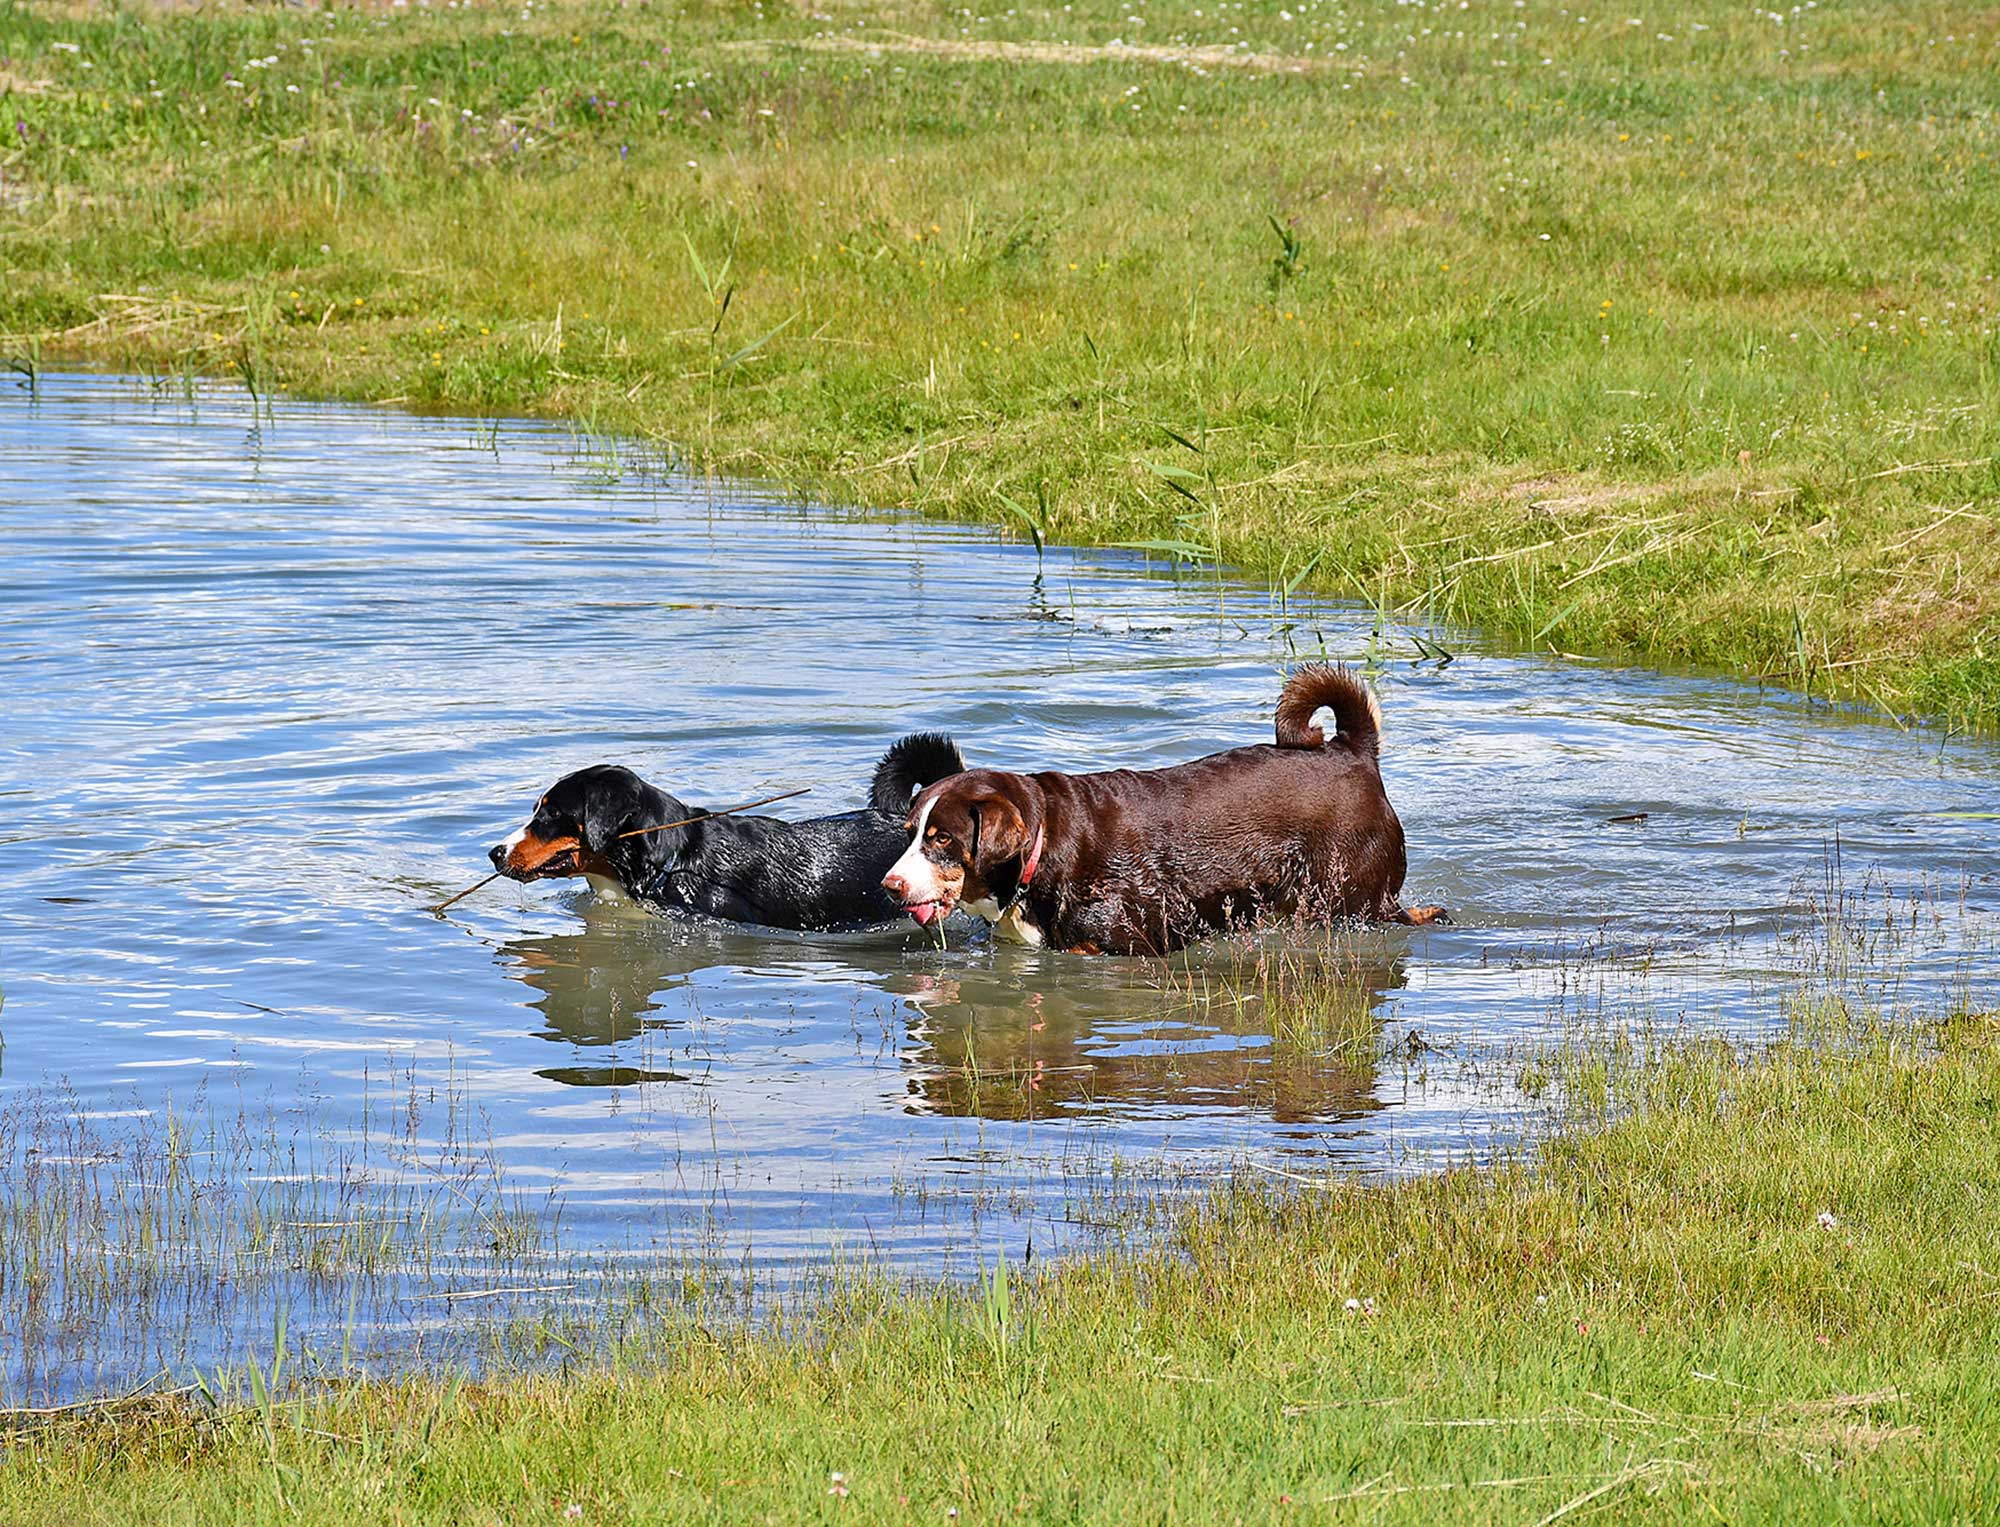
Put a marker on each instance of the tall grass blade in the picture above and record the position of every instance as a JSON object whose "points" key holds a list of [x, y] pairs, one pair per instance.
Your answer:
{"points": [[750, 350]]}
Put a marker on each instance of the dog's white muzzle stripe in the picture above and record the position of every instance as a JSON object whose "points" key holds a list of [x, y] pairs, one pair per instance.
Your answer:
{"points": [[916, 872]]}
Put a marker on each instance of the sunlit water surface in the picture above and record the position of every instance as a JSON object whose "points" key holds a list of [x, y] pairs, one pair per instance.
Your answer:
{"points": [[273, 680]]}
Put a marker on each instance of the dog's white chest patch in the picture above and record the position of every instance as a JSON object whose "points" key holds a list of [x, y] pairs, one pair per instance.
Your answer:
{"points": [[1012, 926], [606, 889]]}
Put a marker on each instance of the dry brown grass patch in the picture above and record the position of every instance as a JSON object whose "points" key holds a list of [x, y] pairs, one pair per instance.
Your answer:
{"points": [[19, 84], [1041, 52], [1560, 497]]}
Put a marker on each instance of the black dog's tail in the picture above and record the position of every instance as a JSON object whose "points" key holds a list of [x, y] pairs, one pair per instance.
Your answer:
{"points": [[912, 763], [1319, 685]]}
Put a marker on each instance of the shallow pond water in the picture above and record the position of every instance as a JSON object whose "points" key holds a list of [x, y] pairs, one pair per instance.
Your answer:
{"points": [[275, 678]]}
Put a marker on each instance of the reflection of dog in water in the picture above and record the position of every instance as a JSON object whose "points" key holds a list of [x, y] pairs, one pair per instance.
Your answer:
{"points": [[607, 988], [990, 1044], [819, 874], [1000, 1039]]}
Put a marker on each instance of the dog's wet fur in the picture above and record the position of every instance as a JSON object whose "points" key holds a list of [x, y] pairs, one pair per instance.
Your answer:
{"points": [[1144, 861], [821, 874]]}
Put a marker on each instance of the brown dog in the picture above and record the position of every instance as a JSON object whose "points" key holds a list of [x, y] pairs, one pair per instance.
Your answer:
{"points": [[1143, 861]]}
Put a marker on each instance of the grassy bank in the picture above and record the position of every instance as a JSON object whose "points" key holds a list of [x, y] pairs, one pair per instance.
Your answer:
{"points": [[1671, 337], [1745, 1290]]}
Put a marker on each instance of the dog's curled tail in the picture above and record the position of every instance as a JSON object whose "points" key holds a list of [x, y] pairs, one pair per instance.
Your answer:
{"points": [[1320, 685], [912, 764]]}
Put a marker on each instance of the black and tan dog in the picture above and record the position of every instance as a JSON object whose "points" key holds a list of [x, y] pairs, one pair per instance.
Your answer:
{"points": [[1141, 861], [820, 874]]}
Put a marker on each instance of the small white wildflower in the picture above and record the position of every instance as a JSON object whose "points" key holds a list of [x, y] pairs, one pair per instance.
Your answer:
{"points": [[838, 1487], [572, 1512], [1826, 1219], [1541, 1299], [1352, 1304]]}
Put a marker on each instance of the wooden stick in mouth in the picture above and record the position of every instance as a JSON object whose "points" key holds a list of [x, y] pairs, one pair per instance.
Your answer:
{"points": [[725, 811], [454, 900], [637, 832]]}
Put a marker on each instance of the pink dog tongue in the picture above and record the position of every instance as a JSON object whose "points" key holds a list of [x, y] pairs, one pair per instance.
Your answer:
{"points": [[923, 912]]}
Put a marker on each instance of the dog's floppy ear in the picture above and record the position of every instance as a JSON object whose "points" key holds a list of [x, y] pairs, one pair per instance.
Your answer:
{"points": [[1004, 821], [614, 819], [999, 831], [618, 806]]}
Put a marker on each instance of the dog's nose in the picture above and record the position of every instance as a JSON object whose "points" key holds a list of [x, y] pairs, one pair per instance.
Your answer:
{"points": [[896, 886], [497, 856]]}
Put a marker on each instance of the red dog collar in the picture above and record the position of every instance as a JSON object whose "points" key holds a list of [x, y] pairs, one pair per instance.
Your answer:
{"points": [[1034, 858], [1027, 873]]}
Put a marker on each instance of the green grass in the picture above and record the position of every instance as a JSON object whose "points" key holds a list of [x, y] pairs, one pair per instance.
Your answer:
{"points": [[1747, 1289], [1680, 345]]}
